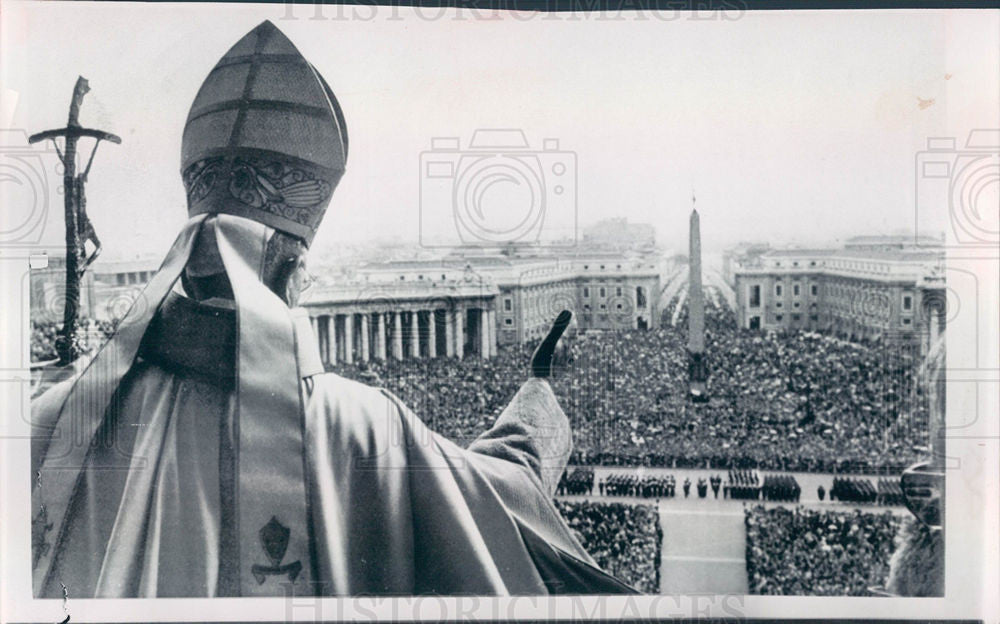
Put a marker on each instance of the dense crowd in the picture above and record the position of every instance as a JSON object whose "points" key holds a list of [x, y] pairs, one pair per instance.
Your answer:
{"points": [[819, 553], [91, 334], [623, 539], [796, 401]]}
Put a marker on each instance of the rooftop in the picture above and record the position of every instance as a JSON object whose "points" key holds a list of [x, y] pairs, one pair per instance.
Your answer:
{"points": [[872, 254]]}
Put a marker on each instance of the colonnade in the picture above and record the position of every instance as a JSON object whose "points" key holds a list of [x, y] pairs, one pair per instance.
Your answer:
{"points": [[348, 336]]}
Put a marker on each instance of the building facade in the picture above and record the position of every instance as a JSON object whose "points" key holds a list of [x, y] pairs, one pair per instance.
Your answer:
{"points": [[469, 305], [456, 306], [853, 293]]}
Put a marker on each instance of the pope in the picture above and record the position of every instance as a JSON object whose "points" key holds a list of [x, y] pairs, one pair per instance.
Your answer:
{"points": [[204, 452]]}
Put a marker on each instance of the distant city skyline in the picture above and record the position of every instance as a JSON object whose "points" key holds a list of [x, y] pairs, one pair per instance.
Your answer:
{"points": [[411, 246]]}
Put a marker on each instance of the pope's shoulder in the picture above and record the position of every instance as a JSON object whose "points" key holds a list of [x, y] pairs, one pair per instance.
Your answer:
{"points": [[353, 405], [331, 386]]}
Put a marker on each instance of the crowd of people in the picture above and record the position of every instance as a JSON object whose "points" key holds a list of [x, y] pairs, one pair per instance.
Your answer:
{"points": [[783, 488], [853, 490], [818, 553], [623, 539], [796, 401]]}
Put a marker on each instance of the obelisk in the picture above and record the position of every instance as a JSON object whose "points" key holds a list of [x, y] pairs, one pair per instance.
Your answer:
{"points": [[697, 369]]}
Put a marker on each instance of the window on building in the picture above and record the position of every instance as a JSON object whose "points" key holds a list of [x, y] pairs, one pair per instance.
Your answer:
{"points": [[796, 317], [777, 290], [907, 302], [618, 291], [508, 321], [586, 291], [755, 296], [795, 290], [814, 317], [420, 277], [795, 305], [586, 306], [754, 322], [508, 305], [619, 306], [778, 317], [602, 267], [813, 290], [906, 321], [603, 292], [640, 297], [402, 278], [604, 307], [442, 277], [778, 304], [795, 264]]}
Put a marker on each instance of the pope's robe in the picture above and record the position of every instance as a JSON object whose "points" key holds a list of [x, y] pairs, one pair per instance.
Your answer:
{"points": [[393, 508]]}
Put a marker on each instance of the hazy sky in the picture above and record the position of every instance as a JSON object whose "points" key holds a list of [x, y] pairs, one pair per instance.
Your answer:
{"points": [[789, 126]]}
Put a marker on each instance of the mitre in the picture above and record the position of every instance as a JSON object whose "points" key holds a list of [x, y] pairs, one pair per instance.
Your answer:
{"points": [[265, 138]]}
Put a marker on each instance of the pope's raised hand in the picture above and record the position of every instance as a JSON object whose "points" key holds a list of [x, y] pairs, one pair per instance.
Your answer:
{"points": [[541, 361]]}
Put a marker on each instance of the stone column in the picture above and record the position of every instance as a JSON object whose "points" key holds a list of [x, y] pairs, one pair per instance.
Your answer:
{"points": [[492, 317], [397, 335], [380, 336], [459, 333], [415, 334], [349, 338], [364, 337], [431, 334], [449, 334], [331, 338], [484, 333]]}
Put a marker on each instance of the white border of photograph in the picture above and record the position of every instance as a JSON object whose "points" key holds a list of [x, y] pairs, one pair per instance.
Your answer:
{"points": [[972, 520]]}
